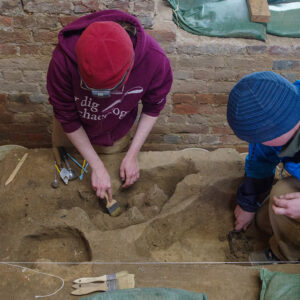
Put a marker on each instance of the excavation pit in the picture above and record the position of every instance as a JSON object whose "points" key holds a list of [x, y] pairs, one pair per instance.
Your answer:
{"points": [[181, 209]]}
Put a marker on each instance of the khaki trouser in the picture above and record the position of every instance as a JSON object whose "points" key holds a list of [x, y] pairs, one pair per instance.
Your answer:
{"points": [[285, 239], [60, 139]]}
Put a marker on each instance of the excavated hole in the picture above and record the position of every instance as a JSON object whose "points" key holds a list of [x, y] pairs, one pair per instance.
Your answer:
{"points": [[146, 198], [57, 244]]}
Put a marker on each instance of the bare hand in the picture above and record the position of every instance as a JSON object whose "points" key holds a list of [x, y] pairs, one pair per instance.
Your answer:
{"points": [[129, 171], [242, 218], [288, 205], [101, 182]]}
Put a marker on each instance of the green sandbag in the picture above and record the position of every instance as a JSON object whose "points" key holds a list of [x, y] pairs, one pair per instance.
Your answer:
{"points": [[148, 294], [222, 18], [285, 20], [279, 286], [281, 1]]}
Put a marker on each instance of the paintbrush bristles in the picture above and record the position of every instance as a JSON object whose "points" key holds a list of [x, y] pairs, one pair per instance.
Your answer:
{"points": [[126, 282], [113, 207], [101, 278]]}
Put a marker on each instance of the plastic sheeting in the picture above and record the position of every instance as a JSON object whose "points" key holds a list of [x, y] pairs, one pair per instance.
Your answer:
{"points": [[148, 294], [281, 1], [285, 20], [223, 18], [230, 18], [279, 286]]}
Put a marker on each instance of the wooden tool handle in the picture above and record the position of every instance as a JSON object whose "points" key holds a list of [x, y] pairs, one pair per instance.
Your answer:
{"points": [[89, 279], [57, 156], [101, 278], [109, 203], [89, 288], [16, 170]]}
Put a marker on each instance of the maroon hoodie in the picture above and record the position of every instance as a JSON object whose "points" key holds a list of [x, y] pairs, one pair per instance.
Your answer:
{"points": [[106, 120]]}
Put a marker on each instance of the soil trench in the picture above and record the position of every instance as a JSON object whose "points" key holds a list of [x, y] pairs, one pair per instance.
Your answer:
{"points": [[181, 209]]}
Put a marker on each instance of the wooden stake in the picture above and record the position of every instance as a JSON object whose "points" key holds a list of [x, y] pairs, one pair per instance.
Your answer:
{"points": [[16, 170], [259, 11]]}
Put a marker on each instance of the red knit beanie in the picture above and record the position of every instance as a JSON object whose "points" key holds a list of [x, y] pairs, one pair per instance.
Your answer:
{"points": [[104, 54]]}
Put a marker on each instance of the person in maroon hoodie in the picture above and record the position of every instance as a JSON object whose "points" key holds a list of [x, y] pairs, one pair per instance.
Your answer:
{"points": [[103, 65]]}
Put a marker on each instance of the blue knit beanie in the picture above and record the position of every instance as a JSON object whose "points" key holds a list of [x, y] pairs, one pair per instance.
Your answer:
{"points": [[262, 106]]}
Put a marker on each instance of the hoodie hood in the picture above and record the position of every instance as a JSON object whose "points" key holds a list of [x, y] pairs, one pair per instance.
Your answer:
{"points": [[67, 37], [107, 120]]}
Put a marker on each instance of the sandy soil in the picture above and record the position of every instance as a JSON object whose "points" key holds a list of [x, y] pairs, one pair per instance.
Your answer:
{"points": [[181, 210]]}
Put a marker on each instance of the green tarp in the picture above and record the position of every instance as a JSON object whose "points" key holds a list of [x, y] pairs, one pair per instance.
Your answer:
{"points": [[230, 18], [281, 1], [148, 294], [223, 18], [285, 20], [279, 286]]}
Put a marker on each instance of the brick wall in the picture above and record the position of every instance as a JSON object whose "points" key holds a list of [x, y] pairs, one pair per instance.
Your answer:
{"points": [[205, 69]]}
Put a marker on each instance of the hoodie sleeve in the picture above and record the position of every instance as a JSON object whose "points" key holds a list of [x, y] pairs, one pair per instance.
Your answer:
{"points": [[260, 168], [60, 90], [155, 98]]}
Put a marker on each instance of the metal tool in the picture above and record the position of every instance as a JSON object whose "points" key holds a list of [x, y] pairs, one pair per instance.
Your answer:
{"points": [[54, 183], [72, 174], [63, 172]]}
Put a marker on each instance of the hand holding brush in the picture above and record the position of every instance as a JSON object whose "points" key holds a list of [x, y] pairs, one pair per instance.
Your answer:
{"points": [[113, 207]]}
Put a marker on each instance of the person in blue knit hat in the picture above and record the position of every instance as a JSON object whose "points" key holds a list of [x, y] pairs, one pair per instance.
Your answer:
{"points": [[264, 110]]}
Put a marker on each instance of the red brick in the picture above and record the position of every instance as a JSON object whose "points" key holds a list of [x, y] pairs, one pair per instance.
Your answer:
{"points": [[256, 49], [185, 108], [230, 139], [5, 21], [119, 4], [46, 50], [8, 50], [242, 148], [49, 6], [163, 35], [6, 117], [65, 20], [3, 98], [203, 74], [144, 6], [17, 36], [279, 51], [183, 98], [220, 98], [205, 109], [27, 49], [204, 98], [221, 130], [24, 21], [45, 36], [10, 7], [203, 61]]}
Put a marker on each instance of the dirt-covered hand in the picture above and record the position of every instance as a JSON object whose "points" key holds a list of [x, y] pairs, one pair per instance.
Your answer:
{"points": [[242, 218], [101, 182], [288, 205], [129, 171]]}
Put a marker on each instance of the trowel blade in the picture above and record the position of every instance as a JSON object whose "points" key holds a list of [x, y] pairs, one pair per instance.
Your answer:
{"points": [[64, 174]]}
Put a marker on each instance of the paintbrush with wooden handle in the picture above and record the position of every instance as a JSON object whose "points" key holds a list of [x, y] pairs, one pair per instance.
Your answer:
{"points": [[124, 282], [101, 278]]}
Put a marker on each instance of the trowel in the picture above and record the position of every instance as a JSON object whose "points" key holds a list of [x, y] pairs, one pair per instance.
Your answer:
{"points": [[63, 172], [63, 154]]}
